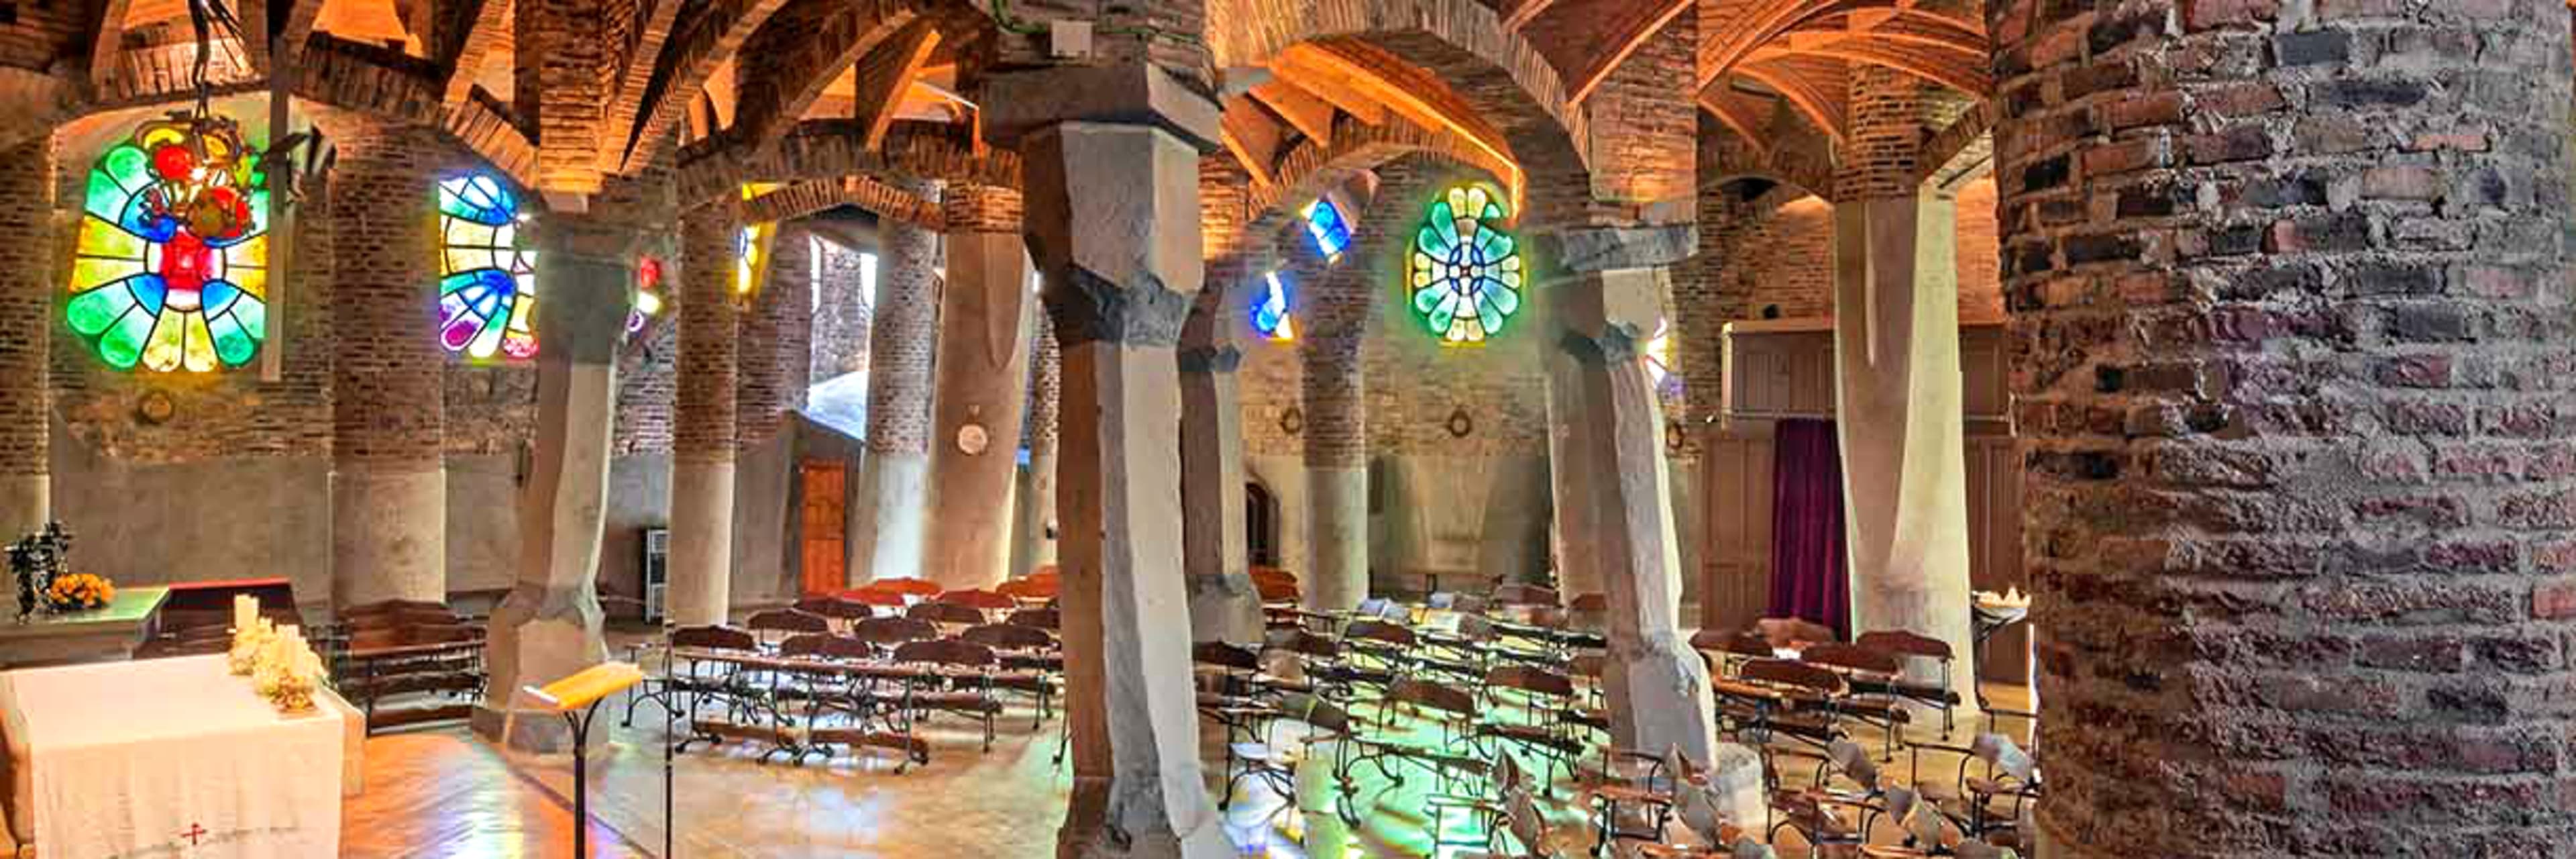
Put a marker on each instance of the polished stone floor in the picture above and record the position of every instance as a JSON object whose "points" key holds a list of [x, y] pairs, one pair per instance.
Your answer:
{"points": [[445, 793]]}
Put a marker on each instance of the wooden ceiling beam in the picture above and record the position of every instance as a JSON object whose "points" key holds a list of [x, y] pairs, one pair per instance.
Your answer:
{"points": [[801, 56], [483, 40], [1304, 111], [1253, 138], [886, 74], [652, 33], [706, 41], [1329, 85]]}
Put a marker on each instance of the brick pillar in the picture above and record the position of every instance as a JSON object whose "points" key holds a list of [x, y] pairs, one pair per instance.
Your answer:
{"points": [[1896, 345], [2288, 294], [703, 440], [892, 501], [1113, 218], [1224, 606], [1340, 303], [389, 415], [549, 624], [1613, 496], [26, 329], [775, 351], [840, 328], [981, 372], [1033, 540]]}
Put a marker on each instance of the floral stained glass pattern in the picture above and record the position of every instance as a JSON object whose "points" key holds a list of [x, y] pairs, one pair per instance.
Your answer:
{"points": [[171, 266], [1465, 275], [1332, 232], [1270, 314], [487, 300]]}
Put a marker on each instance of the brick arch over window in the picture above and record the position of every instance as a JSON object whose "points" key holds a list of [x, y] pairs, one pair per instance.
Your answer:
{"points": [[1461, 45], [828, 150], [1311, 169]]}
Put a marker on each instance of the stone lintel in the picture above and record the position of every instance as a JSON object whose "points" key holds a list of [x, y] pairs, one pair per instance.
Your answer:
{"points": [[1597, 249], [1018, 104]]}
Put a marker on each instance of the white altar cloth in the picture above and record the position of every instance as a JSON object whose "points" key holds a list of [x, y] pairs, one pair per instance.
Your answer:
{"points": [[174, 758]]}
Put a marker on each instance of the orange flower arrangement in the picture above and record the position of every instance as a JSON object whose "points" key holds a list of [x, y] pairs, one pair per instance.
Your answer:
{"points": [[79, 591]]}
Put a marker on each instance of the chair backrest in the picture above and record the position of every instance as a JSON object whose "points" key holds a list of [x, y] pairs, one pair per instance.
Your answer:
{"points": [[1008, 636], [1314, 710], [1589, 602], [877, 597], [1042, 618], [1450, 699], [807, 645], [2000, 752], [1300, 642], [714, 638], [979, 599], [1531, 679], [1524, 594], [908, 585], [1032, 589], [1273, 574], [1475, 627], [835, 608], [1231, 657], [1785, 631], [1735, 643], [945, 612], [1851, 657], [891, 631], [1795, 674], [1853, 762], [946, 651], [1275, 590], [1382, 608], [1378, 630], [1904, 643], [787, 620]]}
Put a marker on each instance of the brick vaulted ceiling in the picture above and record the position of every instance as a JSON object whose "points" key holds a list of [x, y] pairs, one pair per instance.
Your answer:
{"points": [[563, 93]]}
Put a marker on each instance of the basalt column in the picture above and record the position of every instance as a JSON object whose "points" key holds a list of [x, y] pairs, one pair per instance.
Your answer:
{"points": [[890, 510], [549, 624], [26, 327], [388, 416], [702, 440], [1615, 510], [982, 366], [1033, 537], [1113, 218], [1900, 395], [1223, 604], [2288, 285]]}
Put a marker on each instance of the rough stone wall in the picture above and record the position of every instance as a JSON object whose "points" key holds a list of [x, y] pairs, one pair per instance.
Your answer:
{"points": [[775, 348], [901, 344], [2291, 362], [840, 327], [26, 306], [706, 419], [490, 408]]}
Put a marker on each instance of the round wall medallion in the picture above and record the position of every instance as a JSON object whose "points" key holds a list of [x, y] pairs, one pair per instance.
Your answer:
{"points": [[155, 407], [1676, 435], [1292, 421], [971, 439], [1461, 423]]}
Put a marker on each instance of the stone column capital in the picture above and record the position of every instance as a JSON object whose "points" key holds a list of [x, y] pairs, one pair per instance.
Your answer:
{"points": [[1087, 308], [1598, 248], [1021, 104], [1223, 358]]}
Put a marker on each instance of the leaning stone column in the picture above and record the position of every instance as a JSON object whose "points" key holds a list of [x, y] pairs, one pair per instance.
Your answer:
{"points": [[389, 413], [549, 624], [1901, 398], [1032, 544], [983, 362], [892, 504], [1613, 472], [702, 437], [2292, 383], [1113, 219], [26, 328], [1214, 553]]}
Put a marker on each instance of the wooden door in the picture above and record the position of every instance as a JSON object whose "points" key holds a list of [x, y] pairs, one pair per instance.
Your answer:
{"points": [[824, 528], [1736, 504]]}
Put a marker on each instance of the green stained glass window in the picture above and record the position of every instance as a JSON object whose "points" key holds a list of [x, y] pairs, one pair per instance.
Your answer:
{"points": [[170, 270], [487, 302], [1465, 276]]}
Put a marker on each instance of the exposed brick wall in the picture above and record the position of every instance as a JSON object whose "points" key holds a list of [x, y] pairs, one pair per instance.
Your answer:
{"points": [[705, 425], [26, 305], [900, 344], [2291, 363], [44, 30], [1643, 125], [1046, 386], [1776, 251], [981, 208], [840, 327], [648, 382], [491, 409], [774, 352], [1879, 150], [1980, 257], [387, 379]]}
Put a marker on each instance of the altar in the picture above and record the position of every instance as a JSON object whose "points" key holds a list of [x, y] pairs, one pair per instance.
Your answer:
{"points": [[108, 633], [169, 757]]}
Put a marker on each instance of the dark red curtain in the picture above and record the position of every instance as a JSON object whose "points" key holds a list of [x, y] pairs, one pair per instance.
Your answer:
{"points": [[1807, 576]]}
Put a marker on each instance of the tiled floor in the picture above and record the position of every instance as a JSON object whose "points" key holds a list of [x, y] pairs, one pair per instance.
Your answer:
{"points": [[444, 793]]}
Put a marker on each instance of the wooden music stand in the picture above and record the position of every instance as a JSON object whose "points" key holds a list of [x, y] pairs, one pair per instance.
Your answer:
{"points": [[576, 698]]}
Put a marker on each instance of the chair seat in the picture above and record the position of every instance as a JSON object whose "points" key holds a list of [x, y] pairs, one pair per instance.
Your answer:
{"points": [[956, 701]]}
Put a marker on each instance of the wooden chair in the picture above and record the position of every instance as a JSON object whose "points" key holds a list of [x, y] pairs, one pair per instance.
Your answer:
{"points": [[1029, 591], [840, 612], [1788, 633], [958, 679], [887, 633], [981, 600], [1039, 618], [1867, 674], [1522, 594], [947, 614], [877, 598], [1031, 662], [775, 625], [908, 586], [1914, 646], [375, 665], [1780, 698], [694, 671], [1545, 699]]}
